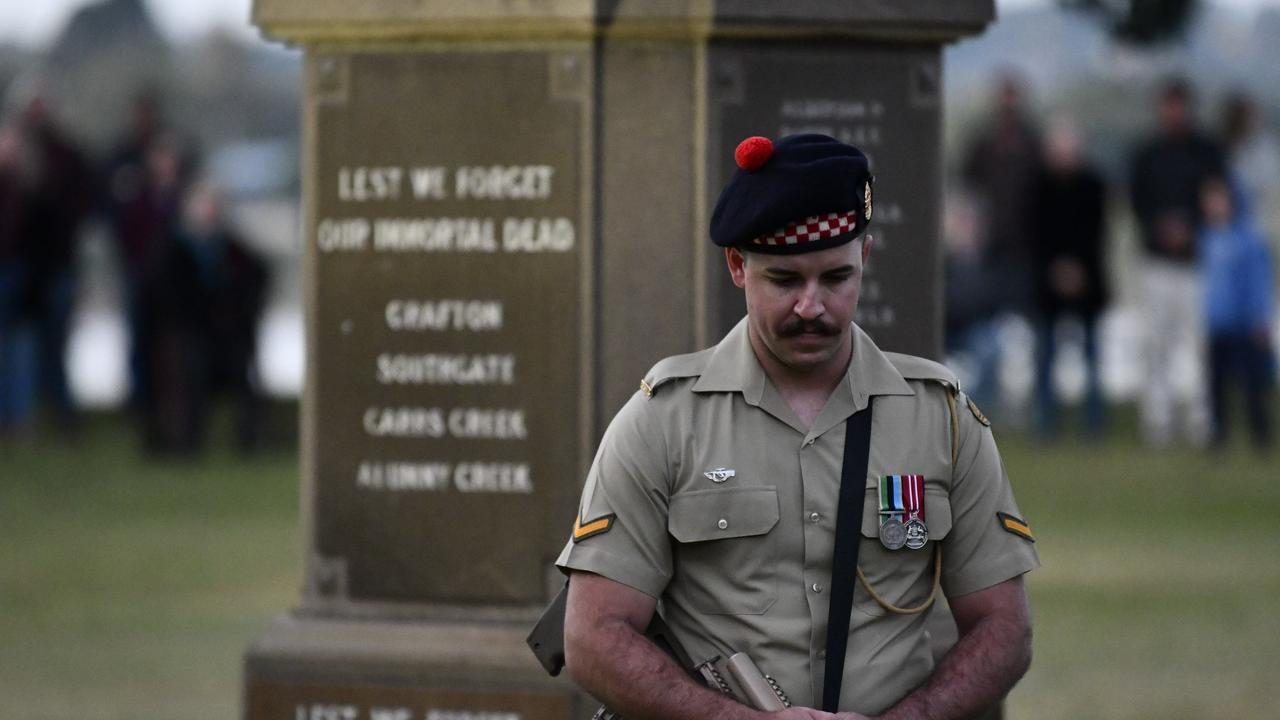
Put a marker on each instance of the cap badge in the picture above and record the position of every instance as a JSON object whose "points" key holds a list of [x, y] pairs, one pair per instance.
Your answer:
{"points": [[866, 203], [719, 475]]}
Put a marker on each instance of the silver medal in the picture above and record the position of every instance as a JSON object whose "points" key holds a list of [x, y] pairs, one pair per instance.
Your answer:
{"points": [[893, 534], [916, 534]]}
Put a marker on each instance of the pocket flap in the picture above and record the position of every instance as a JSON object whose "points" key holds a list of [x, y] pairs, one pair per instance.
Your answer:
{"points": [[700, 515], [937, 513]]}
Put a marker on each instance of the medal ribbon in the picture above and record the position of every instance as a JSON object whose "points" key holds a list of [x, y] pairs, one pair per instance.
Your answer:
{"points": [[891, 499], [913, 496]]}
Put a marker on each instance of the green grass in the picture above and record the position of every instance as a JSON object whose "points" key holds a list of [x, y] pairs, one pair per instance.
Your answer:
{"points": [[1159, 589], [130, 588]]}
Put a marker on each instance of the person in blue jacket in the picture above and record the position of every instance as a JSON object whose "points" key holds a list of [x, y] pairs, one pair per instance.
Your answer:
{"points": [[1238, 304]]}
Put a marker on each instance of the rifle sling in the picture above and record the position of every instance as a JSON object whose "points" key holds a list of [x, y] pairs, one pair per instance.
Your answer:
{"points": [[844, 561]]}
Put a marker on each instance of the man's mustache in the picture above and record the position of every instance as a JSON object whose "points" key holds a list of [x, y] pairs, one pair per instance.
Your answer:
{"points": [[799, 326]]}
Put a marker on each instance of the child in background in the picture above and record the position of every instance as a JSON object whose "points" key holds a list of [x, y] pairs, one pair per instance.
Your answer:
{"points": [[1236, 275]]}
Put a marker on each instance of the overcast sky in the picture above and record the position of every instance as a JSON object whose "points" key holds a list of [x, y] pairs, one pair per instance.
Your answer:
{"points": [[34, 22]]}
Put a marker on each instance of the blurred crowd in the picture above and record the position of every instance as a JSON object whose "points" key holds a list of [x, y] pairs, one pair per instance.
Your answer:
{"points": [[1031, 240], [193, 290]]}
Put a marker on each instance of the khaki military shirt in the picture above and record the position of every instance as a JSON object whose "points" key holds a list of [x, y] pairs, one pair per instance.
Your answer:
{"points": [[709, 494]]}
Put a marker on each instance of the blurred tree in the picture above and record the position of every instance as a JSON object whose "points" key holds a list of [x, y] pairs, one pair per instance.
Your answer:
{"points": [[1141, 22]]}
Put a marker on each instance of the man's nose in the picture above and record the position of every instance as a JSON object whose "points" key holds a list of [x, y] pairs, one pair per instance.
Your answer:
{"points": [[809, 305]]}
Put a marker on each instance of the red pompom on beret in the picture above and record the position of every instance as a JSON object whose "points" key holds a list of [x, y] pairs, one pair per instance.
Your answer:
{"points": [[753, 152]]}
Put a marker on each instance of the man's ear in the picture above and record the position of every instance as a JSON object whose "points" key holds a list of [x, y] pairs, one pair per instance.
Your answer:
{"points": [[867, 242], [737, 266]]}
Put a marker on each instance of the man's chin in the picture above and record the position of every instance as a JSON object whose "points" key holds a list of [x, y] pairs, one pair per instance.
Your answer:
{"points": [[812, 343], [808, 353]]}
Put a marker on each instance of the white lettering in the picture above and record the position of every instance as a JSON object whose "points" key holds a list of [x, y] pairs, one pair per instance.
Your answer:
{"points": [[807, 128], [432, 422], [431, 477], [360, 184], [504, 182], [472, 315], [428, 183], [824, 108], [469, 715], [434, 235], [442, 369], [496, 424], [319, 711], [493, 478], [377, 713], [537, 235], [342, 235], [404, 422]]}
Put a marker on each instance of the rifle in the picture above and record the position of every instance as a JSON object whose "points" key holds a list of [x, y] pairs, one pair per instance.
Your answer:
{"points": [[546, 640]]}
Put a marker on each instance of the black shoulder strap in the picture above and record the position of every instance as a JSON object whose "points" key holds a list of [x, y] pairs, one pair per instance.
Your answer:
{"points": [[844, 561]]}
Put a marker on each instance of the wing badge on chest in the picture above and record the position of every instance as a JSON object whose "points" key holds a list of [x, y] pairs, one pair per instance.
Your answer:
{"points": [[720, 475]]}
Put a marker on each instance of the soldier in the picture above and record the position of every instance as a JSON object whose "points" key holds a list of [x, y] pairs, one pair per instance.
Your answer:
{"points": [[717, 490]]}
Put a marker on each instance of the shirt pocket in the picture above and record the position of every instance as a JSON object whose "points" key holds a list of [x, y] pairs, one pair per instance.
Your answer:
{"points": [[903, 577], [725, 553]]}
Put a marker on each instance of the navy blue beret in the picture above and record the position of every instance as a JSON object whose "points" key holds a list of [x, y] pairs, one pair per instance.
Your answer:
{"points": [[802, 193]]}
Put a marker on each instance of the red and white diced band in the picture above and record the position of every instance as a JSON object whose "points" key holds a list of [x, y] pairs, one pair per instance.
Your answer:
{"points": [[818, 227]]}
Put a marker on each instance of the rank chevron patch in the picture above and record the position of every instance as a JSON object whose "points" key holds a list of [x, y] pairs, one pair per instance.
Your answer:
{"points": [[1016, 526], [599, 526]]}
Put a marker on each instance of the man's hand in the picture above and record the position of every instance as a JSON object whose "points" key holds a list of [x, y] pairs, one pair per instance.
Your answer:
{"points": [[606, 652]]}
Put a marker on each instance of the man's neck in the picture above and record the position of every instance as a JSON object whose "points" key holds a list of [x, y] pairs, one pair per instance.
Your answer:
{"points": [[806, 391]]}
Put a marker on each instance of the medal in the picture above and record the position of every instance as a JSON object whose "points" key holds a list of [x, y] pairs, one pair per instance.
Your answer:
{"points": [[915, 534], [893, 534], [913, 503], [902, 512]]}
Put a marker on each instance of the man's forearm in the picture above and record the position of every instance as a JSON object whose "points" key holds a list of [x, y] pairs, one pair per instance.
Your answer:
{"points": [[635, 678], [985, 663]]}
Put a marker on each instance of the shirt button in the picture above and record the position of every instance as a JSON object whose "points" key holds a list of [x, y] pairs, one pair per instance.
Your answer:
{"points": [[816, 587], [815, 517], [723, 524], [808, 442]]}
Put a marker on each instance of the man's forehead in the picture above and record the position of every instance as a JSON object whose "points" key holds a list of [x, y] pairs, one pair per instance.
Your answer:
{"points": [[812, 262]]}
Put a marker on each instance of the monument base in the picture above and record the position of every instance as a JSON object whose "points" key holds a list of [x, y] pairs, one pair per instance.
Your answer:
{"points": [[316, 668]]}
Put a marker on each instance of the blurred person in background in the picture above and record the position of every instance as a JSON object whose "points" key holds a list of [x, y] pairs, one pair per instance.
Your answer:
{"points": [[202, 309], [17, 335], [144, 183], [1000, 167], [1166, 175], [1237, 277], [1069, 226], [1253, 158], [126, 164], [60, 200], [234, 281], [972, 327]]}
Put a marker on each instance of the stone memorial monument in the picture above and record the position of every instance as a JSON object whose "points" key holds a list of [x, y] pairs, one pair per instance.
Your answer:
{"points": [[505, 206]]}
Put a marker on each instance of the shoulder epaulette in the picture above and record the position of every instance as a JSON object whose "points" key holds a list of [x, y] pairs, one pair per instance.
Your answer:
{"points": [[913, 367], [674, 367]]}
